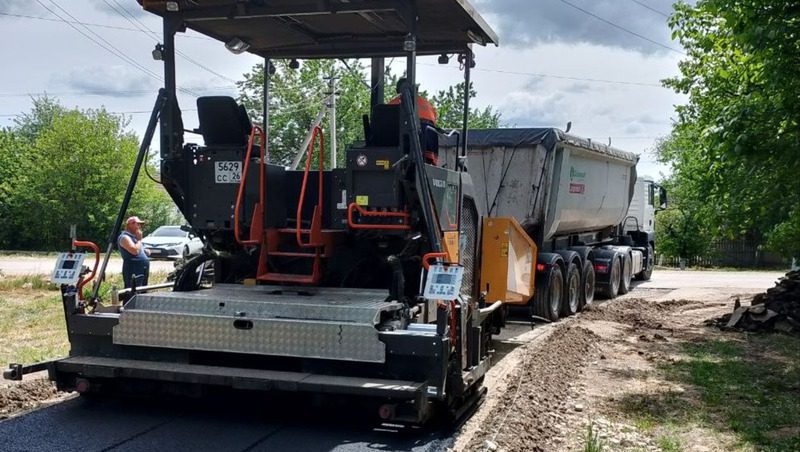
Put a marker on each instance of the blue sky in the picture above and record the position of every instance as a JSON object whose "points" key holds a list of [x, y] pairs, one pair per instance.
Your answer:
{"points": [[596, 63]]}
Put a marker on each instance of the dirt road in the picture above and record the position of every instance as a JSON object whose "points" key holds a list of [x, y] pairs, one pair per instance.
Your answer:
{"points": [[548, 384], [619, 368], [39, 265]]}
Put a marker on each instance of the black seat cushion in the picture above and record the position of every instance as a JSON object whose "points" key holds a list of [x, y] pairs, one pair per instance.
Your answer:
{"points": [[223, 121], [385, 126]]}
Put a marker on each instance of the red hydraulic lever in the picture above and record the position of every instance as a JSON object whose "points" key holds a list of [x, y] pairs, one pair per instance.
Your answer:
{"points": [[263, 137], [84, 281]]}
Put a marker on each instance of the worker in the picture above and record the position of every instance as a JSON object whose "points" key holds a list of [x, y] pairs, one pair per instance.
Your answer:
{"points": [[135, 261], [427, 119]]}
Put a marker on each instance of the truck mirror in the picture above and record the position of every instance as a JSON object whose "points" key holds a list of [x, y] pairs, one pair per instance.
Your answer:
{"points": [[662, 198]]}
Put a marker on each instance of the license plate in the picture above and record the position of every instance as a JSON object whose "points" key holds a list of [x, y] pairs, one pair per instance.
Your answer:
{"points": [[227, 172]]}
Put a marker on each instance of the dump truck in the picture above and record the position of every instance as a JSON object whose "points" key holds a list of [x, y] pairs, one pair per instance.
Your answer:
{"points": [[384, 279], [572, 197]]}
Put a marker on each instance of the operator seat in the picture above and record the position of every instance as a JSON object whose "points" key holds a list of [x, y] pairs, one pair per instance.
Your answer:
{"points": [[384, 129], [223, 122]]}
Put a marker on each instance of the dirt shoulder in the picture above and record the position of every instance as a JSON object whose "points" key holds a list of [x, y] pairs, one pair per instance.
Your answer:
{"points": [[646, 375]]}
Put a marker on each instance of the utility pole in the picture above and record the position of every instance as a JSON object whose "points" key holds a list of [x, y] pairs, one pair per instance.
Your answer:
{"points": [[332, 108]]}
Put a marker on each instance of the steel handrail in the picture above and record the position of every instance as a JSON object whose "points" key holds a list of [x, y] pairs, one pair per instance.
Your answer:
{"points": [[96, 249], [316, 219], [242, 181]]}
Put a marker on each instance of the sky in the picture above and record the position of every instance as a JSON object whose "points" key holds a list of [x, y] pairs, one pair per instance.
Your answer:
{"points": [[595, 63]]}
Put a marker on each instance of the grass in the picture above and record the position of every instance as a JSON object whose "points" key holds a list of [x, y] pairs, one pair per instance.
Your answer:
{"points": [[753, 388], [32, 325], [669, 443], [592, 441], [35, 282], [750, 388]]}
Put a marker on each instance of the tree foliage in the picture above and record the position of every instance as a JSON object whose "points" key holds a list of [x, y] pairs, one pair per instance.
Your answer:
{"points": [[62, 167], [734, 146], [296, 96]]}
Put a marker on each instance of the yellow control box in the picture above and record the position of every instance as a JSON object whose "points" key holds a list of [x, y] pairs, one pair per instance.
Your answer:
{"points": [[508, 261]]}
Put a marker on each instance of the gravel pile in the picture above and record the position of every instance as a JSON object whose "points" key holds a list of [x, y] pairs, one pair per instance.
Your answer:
{"points": [[534, 406], [26, 395], [776, 309]]}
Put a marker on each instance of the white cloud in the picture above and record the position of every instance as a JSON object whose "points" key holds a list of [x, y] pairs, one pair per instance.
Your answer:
{"points": [[523, 23], [115, 81]]}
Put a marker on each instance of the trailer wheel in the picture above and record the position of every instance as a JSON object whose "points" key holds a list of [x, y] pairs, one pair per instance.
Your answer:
{"points": [[627, 275], [572, 292], [611, 289], [547, 299], [587, 297], [645, 274]]}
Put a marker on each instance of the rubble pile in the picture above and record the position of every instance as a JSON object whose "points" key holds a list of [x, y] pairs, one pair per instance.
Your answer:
{"points": [[776, 309]]}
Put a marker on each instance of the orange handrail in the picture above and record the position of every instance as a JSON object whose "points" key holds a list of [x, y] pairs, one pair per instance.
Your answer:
{"points": [[96, 249], [263, 137], [316, 220], [366, 213], [429, 256]]}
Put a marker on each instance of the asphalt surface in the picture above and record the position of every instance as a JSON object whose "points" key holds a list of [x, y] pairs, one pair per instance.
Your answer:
{"points": [[126, 425], [280, 425]]}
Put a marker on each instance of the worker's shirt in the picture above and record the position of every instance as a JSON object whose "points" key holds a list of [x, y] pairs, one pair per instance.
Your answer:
{"points": [[127, 256], [424, 108]]}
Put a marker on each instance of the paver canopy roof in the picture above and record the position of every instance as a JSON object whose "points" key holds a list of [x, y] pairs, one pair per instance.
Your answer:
{"points": [[331, 28]]}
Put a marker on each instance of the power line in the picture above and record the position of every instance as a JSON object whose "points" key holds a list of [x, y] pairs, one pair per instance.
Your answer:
{"points": [[563, 77], [130, 17], [134, 112], [644, 5], [620, 27], [89, 24], [104, 92], [108, 46]]}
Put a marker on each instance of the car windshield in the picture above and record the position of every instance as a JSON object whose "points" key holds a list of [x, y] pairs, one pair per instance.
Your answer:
{"points": [[169, 231]]}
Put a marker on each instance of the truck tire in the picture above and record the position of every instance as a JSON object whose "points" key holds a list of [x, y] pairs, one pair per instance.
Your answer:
{"points": [[611, 289], [572, 291], [626, 275], [549, 292], [588, 279], [645, 274]]}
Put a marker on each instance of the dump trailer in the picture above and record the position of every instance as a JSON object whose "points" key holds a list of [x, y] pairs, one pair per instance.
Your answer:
{"points": [[571, 196]]}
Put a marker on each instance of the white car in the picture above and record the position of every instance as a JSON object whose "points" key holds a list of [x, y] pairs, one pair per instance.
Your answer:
{"points": [[172, 242]]}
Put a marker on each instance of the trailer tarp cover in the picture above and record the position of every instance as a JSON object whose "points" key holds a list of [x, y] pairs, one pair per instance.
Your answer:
{"points": [[547, 137], [481, 138], [332, 28]]}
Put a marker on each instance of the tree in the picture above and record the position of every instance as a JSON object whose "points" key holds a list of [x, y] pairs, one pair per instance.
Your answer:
{"points": [[70, 167], [449, 105], [734, 145], [296, 97]]}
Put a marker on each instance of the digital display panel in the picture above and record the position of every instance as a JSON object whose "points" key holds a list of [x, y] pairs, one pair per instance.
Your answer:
{"points": [[444, 278], [68, 265]]}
